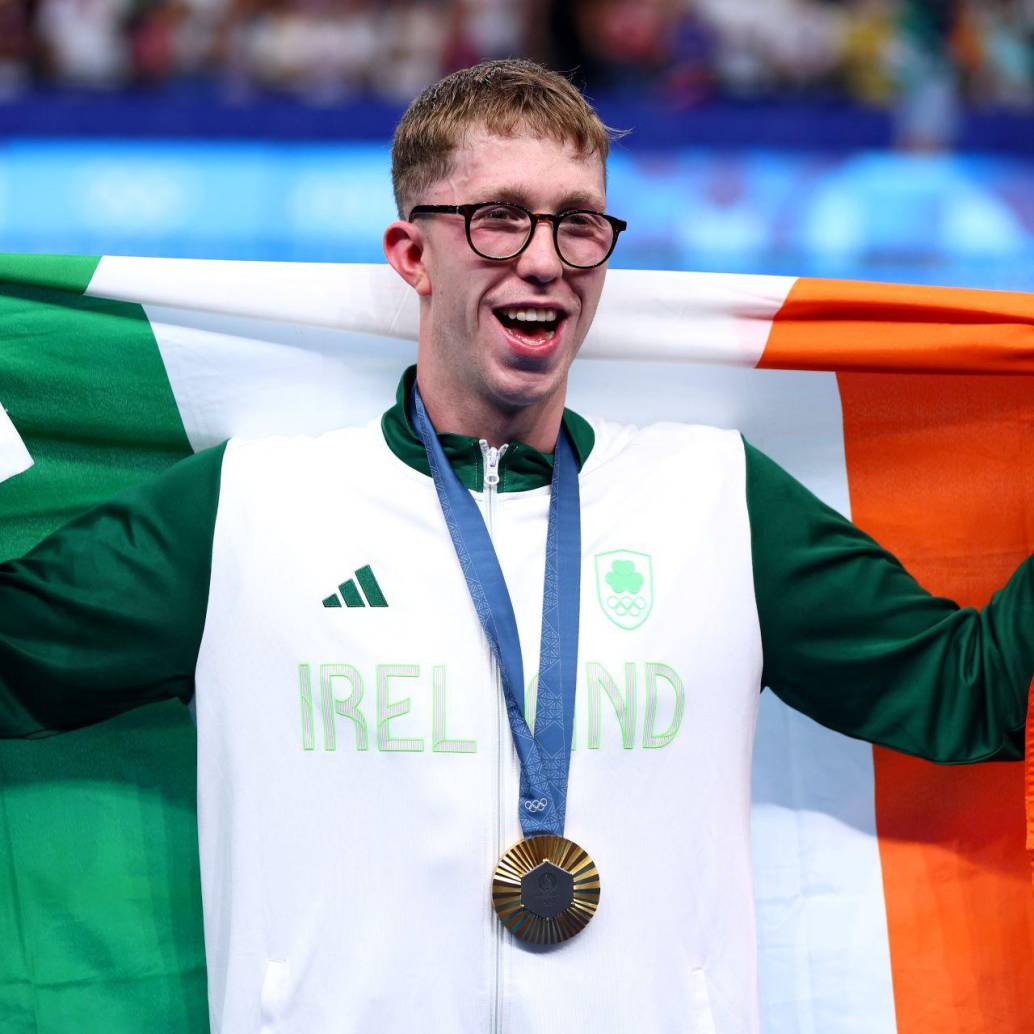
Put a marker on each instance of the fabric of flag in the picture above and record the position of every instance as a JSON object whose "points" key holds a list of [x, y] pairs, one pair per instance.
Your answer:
{"points": [[893, 895]]}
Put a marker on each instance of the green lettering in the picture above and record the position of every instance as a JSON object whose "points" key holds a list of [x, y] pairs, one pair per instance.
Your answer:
{"points": [[386, 710], [624, 705], [655, 671], [305, 693], [347, 707], [438, 739]]}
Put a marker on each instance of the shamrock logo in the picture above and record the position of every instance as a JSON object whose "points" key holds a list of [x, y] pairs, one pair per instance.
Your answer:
{"points": [[623, 577], [624, 586]]}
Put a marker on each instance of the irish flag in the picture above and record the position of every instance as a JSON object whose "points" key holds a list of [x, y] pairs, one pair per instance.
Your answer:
{"points": [[893, 895]]}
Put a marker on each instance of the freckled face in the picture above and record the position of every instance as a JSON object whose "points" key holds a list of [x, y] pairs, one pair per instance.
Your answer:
{"points": [[470, 341]]}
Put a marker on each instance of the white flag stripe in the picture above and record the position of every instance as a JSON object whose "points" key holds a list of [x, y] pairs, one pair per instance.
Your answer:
{"points": [[661, 315], [360, 298], [14, 457], [236, 376], [643, 314]]}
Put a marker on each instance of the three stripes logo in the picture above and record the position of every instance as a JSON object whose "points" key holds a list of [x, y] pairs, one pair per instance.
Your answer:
{"points": [[353, 593]]}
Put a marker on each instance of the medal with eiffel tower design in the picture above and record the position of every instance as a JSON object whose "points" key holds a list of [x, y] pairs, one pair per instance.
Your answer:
{"points": [[546, 888]]}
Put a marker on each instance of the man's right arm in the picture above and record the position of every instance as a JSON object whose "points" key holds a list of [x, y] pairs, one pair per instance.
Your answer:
{"points": [[107, 613]]}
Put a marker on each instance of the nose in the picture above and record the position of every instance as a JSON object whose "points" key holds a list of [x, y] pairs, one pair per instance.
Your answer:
{"points": [[539, 261]]}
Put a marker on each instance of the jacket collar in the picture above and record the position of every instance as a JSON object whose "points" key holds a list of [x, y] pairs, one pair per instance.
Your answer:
{"points": [[521, 468]]}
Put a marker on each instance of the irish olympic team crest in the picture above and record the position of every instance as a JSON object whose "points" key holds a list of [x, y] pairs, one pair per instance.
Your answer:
{"points": [[624, 586]]}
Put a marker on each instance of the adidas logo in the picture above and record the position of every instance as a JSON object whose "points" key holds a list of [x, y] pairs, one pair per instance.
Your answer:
{"points": [[353, 597]]}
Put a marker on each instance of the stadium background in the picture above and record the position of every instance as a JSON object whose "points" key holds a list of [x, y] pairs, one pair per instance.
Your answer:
{"points": [[878, 139], [870, 139]]}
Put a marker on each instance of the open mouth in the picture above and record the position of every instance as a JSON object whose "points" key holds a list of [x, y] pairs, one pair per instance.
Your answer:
{"points": [[534, 327]]}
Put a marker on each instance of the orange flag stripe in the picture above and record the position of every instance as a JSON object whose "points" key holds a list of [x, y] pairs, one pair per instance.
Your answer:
{"points": [[852, 326], [941, 471], [856, 325]]}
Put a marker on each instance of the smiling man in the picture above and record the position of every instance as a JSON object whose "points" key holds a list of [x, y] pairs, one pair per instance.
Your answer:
{"points": [[505, 245], [476, 685]]}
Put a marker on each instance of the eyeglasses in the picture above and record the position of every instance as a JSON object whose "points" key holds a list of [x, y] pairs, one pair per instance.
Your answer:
{"points": [[499, 231]]}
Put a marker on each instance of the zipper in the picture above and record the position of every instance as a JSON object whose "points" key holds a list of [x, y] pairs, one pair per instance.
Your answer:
{"points": [[491, 456]]}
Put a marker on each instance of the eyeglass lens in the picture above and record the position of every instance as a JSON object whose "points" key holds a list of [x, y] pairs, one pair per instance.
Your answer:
{"points": [[500, 231]]}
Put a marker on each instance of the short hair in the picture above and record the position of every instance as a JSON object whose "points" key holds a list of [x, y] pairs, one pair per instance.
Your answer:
{"points": [[504, 96]]}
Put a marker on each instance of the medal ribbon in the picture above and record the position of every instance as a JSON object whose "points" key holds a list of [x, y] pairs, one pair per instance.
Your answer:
{"points": [[544, 756]]}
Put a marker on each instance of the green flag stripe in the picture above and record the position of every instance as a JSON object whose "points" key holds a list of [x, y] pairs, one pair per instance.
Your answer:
{"points": [[85, 386], [58, 272], [100, 824]]}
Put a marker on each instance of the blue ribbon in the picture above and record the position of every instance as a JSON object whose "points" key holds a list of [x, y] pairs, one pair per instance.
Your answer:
{"points": [[545, 756]]}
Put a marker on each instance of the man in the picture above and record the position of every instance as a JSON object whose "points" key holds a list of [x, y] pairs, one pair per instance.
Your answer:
{"points": [[358, 778]]}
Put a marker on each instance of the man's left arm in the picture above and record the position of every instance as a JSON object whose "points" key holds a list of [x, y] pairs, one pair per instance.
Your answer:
{"points": [[851, 639]]}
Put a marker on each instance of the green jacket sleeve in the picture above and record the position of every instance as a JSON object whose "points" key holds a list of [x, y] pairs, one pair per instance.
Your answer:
{"points": [[852, 640], [107, 613]]}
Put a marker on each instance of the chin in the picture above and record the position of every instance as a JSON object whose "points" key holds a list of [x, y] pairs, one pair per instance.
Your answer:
{"points": [[520, 383]]}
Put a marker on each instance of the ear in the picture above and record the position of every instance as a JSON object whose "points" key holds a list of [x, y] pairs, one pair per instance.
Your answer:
{"points": [[404, 250]]}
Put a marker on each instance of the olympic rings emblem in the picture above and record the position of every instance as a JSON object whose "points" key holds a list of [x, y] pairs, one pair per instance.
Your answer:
{"points": [[624, 586], [626, 606], [537, 806]]}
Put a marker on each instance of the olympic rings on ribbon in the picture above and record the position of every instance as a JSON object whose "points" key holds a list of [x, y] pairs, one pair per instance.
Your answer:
{"points": [[536, 806]]}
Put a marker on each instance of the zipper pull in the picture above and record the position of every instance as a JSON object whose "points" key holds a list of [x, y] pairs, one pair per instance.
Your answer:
{"points": [[491, 456]]}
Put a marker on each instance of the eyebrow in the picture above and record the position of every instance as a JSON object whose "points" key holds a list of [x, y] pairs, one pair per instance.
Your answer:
{"points": [[576, 199]]}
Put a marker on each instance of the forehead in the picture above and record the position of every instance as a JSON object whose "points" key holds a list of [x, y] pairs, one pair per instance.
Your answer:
{"points": [[537, 172]]}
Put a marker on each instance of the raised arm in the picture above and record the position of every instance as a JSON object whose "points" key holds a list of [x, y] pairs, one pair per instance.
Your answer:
{"points": [[851, 639], [107, 612]]}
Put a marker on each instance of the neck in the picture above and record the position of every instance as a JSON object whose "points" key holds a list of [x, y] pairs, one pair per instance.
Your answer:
{"points": [[537, 425]]}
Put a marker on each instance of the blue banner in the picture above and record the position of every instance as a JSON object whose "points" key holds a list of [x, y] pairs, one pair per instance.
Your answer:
{"points": [[877, 215]]}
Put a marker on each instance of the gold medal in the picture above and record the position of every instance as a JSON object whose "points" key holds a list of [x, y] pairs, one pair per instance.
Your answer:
{"points": [[545, 889]]}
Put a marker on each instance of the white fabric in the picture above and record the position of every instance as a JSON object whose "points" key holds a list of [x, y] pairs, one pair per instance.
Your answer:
{"points": [[348, 890], [643, 315], [14, 457]]}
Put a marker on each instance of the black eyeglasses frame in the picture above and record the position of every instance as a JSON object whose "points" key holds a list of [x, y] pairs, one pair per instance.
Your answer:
{"points": [[467, 211]]}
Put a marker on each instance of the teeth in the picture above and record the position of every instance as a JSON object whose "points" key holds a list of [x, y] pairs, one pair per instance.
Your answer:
{"points": [[531, 315]]}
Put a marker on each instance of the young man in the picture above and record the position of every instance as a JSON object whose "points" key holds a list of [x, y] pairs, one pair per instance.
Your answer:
{"points": [[345, 640]]}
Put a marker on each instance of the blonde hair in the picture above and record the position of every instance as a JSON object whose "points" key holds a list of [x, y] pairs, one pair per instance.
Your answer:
{"points": [[505, 97]]}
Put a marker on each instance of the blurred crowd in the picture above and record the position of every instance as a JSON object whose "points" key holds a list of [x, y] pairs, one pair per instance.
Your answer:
{"points": [[688, 51]]}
